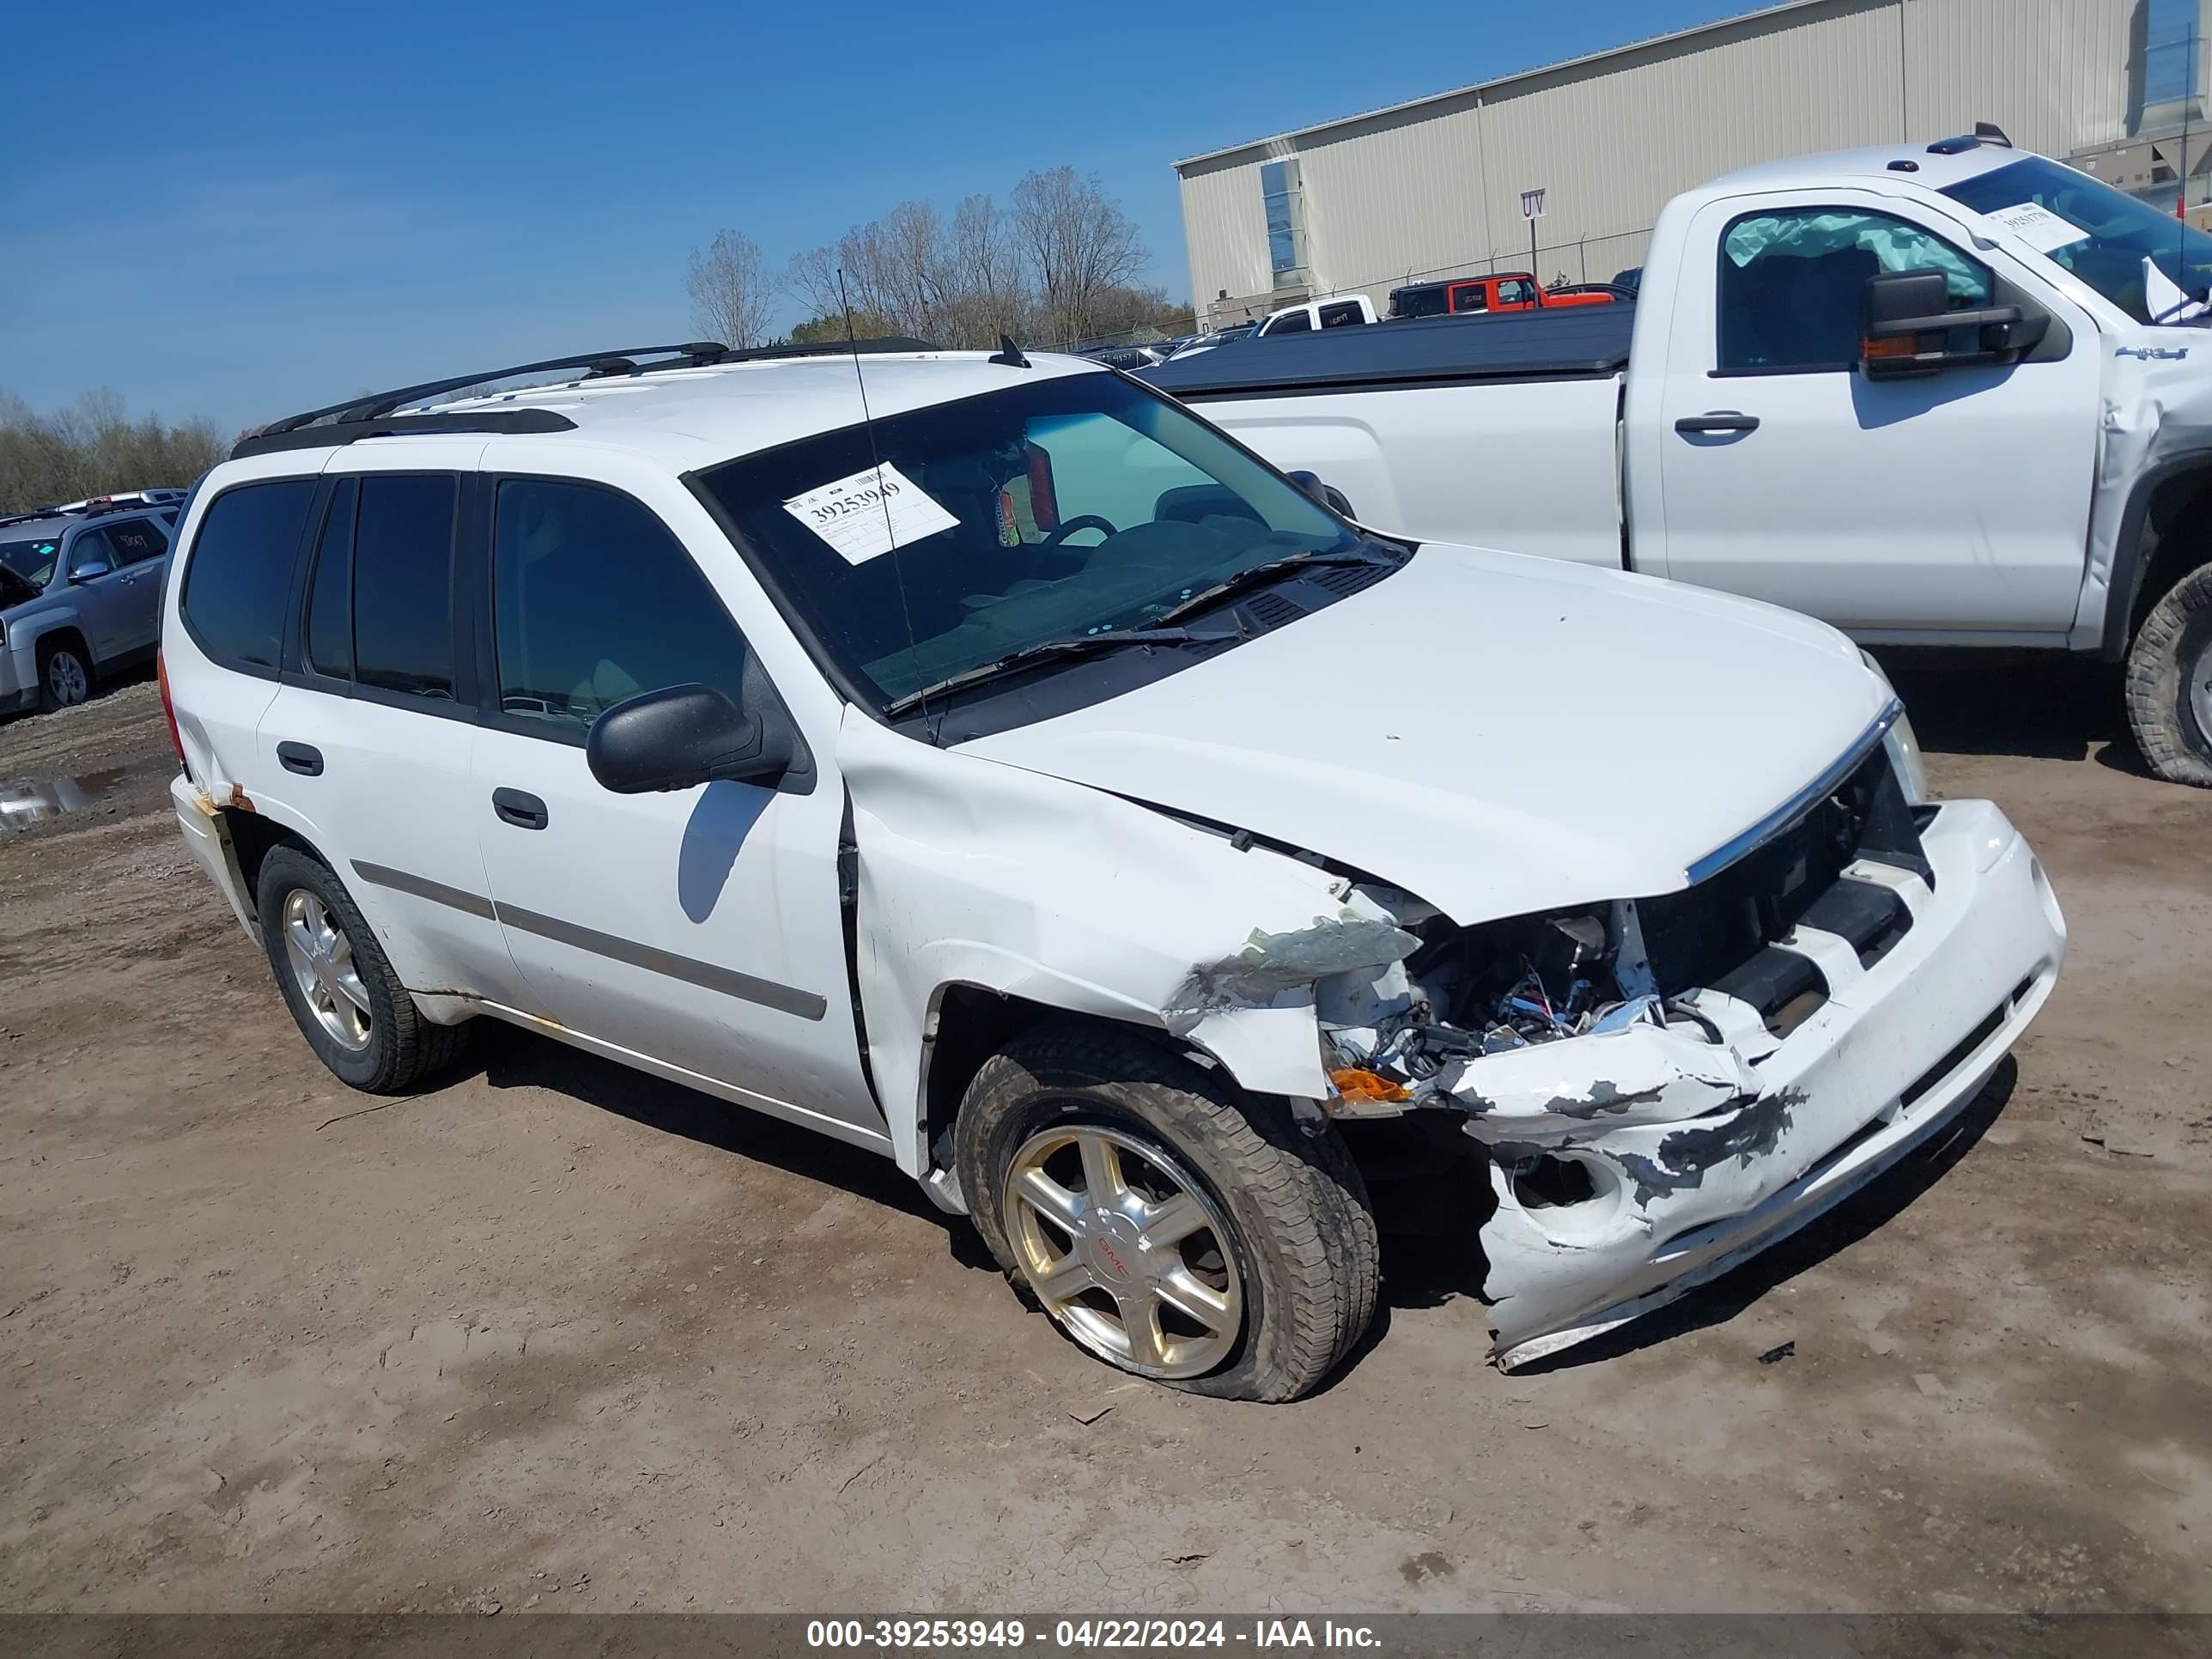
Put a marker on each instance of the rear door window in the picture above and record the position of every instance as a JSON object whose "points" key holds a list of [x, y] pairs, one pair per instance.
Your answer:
{"points": [[1338, 315], [239, 575], [135, 541], [402, 585]]}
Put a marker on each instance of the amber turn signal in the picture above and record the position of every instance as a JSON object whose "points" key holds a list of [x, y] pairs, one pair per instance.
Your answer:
{"points": [[1354, 1083]]}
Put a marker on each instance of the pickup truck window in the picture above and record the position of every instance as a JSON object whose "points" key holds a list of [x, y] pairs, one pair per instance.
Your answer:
{"points": [[595, 601], [2146, 262], [1290, 322], [1077, 504], [1793, 283], [1337, 316]]}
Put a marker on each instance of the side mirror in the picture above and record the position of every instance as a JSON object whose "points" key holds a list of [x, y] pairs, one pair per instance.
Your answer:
{"points": [[90, 570], [686, 735], [1330, 497], [1909, 331]]}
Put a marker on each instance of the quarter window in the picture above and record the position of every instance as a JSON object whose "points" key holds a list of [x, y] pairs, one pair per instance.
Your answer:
{"points": [[239, 573], [1793, 284], [595, 601], [403, 589]]}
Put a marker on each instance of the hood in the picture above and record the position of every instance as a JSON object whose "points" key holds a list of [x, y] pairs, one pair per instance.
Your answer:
{"points": [[1496, 733]]}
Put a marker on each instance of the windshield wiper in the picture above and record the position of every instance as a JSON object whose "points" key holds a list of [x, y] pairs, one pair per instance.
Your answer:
{"points": [[1260, 575], [1077, 645]]}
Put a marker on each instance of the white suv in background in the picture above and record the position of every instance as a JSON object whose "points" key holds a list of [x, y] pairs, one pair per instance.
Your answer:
{"points": [[984, 761]]}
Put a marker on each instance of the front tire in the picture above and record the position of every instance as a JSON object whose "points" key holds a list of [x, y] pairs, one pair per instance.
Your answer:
{"points": [[1174, 1226], [2169, 682], [339, 985]]}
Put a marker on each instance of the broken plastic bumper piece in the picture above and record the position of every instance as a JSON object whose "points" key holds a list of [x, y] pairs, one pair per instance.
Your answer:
{"points": [[1650, 1155]]}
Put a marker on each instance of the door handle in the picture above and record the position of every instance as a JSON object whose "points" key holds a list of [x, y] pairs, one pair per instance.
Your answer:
{"points": [[524, 811], [1719, 420], [302, 757]]}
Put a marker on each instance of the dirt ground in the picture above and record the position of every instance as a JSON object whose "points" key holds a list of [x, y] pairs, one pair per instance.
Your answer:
{"points": [[558, 1336]]}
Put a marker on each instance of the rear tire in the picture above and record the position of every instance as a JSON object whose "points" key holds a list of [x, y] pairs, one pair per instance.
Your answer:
{"points": [[1278, 1218], [339, 983], [2169, 682], [65, 676]]}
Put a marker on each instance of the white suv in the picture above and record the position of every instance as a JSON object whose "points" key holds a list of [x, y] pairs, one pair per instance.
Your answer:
{"points": [[984, 761]]}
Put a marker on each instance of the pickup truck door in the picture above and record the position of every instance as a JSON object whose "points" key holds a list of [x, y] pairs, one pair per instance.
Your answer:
{"points": [[701, 928], [1954, 504]]}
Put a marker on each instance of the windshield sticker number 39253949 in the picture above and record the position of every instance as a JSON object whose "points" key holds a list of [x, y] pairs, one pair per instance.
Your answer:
{"points": [[865, 515]]}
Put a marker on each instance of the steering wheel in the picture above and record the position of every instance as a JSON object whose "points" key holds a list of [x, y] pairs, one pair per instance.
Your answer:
{"points": [[1061, 532]]}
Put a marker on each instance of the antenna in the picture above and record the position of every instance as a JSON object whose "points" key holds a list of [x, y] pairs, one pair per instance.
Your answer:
{"points": [[875, 460], [1008, 354]]}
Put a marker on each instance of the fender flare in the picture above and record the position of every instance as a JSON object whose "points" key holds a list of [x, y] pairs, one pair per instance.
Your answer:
{"points": [[2126, 585]]}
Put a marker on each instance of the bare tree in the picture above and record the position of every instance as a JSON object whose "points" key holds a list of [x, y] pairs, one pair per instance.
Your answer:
{"points": [[732, 296], [1079, 244], [92, 448]]}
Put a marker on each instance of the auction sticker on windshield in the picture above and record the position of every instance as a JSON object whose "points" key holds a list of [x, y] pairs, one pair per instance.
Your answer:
{"points": [[2038, 227], [867, 514]]}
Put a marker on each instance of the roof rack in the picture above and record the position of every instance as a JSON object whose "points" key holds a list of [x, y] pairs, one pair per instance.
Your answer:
{"points": [[598, 363], [269, 442], [373, 415]]}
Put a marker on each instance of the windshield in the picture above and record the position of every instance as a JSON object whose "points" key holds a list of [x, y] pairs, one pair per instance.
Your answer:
{"points": [[1066, 507], [32, 560], [2146, 262]]}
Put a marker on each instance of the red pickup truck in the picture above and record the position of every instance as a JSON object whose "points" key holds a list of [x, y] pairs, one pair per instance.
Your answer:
{"points": [[1504, 290]]}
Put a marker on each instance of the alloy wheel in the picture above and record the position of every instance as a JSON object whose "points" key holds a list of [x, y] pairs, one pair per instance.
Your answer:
{"points": [[66, 679], [321, 958], [1125, 1249]]}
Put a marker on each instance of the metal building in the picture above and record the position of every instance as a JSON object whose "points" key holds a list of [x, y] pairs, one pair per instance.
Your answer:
{"points": [[1434, 187]]}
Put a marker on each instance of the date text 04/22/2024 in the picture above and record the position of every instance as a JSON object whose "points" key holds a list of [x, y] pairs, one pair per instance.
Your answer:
{"points": [[1086, 1635]]}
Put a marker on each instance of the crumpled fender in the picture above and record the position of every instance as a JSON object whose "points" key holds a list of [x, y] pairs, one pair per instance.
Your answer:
{"points": [[975, 873], [2157, 418]]}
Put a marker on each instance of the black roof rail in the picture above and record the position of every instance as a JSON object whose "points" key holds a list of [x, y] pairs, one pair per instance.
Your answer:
{"points": [[271, 442], [621, 362], [372, 415], [826, 348]]}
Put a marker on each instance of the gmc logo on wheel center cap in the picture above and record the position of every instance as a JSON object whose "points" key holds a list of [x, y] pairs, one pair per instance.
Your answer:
{"points": [[1114, 1265]]}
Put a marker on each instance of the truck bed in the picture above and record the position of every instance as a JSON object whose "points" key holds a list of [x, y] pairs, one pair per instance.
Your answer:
{"points": [[1488, 431], [1574, 342]]}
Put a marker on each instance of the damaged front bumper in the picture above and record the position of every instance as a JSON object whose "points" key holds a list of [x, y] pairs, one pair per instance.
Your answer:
{"points": [[1636, 1162]]}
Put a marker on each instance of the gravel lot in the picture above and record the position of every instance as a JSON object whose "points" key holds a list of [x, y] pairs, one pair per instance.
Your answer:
{"points": [[558, 1335]]}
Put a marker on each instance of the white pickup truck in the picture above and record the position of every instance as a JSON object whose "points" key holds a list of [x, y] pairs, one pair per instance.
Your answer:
{"points": [[1935, 394]]}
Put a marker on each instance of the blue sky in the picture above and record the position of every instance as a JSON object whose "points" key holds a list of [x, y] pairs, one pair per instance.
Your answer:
{"points": [[242, 209]]}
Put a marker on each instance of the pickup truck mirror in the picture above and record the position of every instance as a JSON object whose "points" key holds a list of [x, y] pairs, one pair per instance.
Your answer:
{"points": [[1909, 331], [1330, 497], [685, 735]]}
